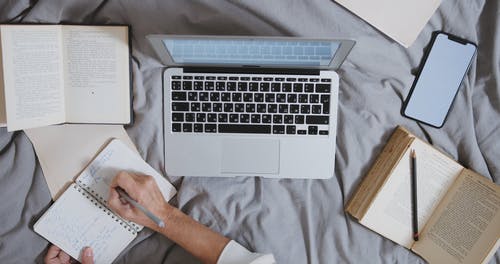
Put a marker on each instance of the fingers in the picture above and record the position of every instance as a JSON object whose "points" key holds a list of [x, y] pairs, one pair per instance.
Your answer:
{"points": [[52, 253], [126, 181], [87, 256], [116, 204]]}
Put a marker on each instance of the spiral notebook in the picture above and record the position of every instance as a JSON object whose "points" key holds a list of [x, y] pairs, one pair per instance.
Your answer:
{"points": [[81, 218]]}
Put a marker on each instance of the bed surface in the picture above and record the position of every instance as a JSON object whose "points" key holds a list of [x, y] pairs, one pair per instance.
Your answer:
{"points": [[300, 221]]}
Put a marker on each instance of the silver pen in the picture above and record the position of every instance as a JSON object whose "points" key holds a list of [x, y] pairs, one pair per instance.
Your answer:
{"points": [[153, 217]]}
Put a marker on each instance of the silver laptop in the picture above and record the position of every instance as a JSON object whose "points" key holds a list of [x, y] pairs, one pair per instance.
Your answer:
{"points": [[250, 106]]}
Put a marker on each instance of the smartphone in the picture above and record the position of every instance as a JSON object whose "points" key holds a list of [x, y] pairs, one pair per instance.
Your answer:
{"points": [[440, 77]]}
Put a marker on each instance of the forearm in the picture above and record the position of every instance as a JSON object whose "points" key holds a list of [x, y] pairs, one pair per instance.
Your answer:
{"points": [[194, 237]]}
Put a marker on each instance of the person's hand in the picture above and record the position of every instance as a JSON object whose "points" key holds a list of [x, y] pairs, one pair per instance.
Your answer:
{"points": [[145, 191], [56, 256]]}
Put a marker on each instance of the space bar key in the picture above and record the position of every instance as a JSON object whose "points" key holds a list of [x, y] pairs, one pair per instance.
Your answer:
{"points": [[253, 129]]}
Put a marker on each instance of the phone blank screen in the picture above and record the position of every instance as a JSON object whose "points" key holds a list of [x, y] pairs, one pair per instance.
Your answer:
{"points": [[439, 80]]}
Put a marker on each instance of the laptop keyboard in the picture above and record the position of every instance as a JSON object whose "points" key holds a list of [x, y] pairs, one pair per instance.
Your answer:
{"points": [[250, 104]]}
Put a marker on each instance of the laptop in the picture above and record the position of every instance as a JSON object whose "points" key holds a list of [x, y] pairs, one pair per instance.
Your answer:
{"points": [[250, 106]]}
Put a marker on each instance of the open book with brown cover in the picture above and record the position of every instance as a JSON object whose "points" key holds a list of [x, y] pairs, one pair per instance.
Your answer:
{"points": [[52, 74], [458, 209]]}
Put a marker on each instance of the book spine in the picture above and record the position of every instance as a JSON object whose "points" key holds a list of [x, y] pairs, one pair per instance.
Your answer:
{"points": [[378, 174]]}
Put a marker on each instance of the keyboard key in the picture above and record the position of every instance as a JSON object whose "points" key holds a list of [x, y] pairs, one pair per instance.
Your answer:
{"points": [[206, 107], [316, 109], [201, 117], [283, 108], [305, 109], [242, 86], [199, 78], [180, 106], [234, 118], [278, 129], [279, 79], [176, 77], [294, 108], [190, 117], [255, 118], [313, 98], [258, 97], [291, 79], [298, 87], [244, 118], [187, 127], [277, 119], [326, 80], [223, 78], [261, 108], [302, 79], [250, 108], [198, 86], [222, 118], [316, 119], [291, 98], [193, 96], [281, 98], [203, 96], [253, 129], [228, 107], [233, 78], [212, 118], [236, 97], [272, 108], [220, 86], [225, 97], [312, 130], [276, 87], [176, 127], [209, 86], [270, 98], [268, 79], [247, 97], [323, 132], [210, 128], [245, 78], [176, 85], [178, 96], [210, 78], [314, 80], [187, 77], [217, 107], [231, 86], [187, 85], [286, 87], [266, 118], [239, 108], [323, 88], [178, 117], [309, 88], [301, 132], [264, 87], [299, 119], [288, 119], [198, 127], [253, 87], [303, 98], [290, 130], [214, 96], [256, 79]]}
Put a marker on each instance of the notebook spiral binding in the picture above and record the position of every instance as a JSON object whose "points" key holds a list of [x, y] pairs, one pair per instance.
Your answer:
{"points": [[103, 201], [109, 213]]}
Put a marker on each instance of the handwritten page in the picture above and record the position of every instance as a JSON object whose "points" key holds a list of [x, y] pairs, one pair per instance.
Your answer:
{"points": [[77, 145], [76, 221], [390, 213], [3, 115], [116, 157]]}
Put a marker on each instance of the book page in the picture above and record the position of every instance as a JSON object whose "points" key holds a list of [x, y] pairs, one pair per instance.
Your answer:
{"points": [[390, 213], [116, 157], [3, 115], [74, 144], [97, 74], [76, 221], [33, 82], [465, 227]]}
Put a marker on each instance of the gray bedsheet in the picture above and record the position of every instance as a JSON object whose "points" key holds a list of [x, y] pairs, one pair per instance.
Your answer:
{"points": [[300, 221]]}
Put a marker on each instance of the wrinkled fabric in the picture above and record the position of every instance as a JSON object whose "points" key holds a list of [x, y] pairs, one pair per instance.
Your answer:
{"points": [[299, 221]]}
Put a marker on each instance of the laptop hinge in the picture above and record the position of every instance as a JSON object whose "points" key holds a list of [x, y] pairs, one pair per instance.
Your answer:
{"points": [[251, 70]]}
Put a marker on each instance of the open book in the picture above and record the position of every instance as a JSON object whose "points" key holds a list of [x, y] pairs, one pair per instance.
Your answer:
{"points": [[458, 209], [80, 216], [53, 74]]}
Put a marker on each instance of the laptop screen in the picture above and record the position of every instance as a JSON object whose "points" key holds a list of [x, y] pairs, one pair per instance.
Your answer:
{"points": [[247, 51]]}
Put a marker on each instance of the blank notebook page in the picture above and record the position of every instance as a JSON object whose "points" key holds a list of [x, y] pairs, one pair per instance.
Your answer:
{"points": [[76, 221]]}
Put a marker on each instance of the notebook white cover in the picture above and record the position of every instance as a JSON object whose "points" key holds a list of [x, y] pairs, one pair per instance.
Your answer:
{"points": [[402, 20]]}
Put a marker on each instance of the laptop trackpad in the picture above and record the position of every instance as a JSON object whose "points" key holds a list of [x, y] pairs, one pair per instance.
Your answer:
{"points": [[250, 156]]}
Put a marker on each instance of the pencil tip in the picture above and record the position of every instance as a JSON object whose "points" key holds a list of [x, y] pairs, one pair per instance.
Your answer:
{"points": [[413, 154]]}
